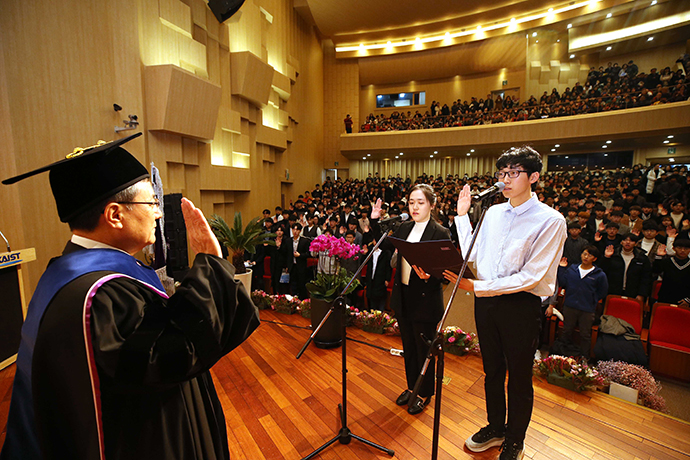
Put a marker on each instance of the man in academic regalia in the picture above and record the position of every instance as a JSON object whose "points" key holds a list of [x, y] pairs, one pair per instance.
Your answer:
{"points": [[109, 367]]}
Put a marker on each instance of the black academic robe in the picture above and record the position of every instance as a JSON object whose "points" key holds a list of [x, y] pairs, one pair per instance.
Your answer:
{"points": [[129, 379]]}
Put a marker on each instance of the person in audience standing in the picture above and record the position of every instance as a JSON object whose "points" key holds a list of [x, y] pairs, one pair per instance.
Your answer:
{"points": [[585, 285], [628, 269]]}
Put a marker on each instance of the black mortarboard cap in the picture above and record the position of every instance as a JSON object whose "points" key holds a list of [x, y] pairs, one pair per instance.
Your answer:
{"points": [[90, 175]]}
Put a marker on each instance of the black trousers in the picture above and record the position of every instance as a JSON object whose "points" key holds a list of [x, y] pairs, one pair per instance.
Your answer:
{"points": [[508, 329], [415, 348]]}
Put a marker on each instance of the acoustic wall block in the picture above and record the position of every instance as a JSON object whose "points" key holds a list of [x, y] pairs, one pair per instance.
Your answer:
{"points": [[177, 101], [273, 137], [251, 77]]}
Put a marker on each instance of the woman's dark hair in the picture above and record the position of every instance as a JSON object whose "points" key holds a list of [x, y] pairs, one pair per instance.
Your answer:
{"points": [[430, 197], [524, 156], [427, 191]]}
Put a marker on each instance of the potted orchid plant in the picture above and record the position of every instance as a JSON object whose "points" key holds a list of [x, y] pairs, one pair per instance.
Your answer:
{"points": [[329, 283]]}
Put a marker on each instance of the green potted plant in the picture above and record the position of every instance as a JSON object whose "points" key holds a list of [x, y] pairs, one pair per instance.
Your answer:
{"points": [[239, 240]]}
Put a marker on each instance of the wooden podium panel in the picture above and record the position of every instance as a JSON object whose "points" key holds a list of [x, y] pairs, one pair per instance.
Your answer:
{"points": [[13, 305]]}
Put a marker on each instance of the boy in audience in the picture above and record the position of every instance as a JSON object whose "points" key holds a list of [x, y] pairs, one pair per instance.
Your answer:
{"points": [[612, 237], [675, 272], [585, 285], [649, 244], [573, 246], [628, 269]]}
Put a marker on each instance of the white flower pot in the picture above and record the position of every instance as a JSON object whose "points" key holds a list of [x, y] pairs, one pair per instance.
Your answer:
{"points": [[246, 279]]}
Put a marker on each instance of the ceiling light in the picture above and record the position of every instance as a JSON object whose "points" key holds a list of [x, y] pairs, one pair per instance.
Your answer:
{"points": [[606, 154], [368, 154], [537, 41], [435, 151], [608, 48], [479, 27], [534, 34], [666, 141], [472, 150], [653, 2], [671, 160], [569, 26], [669, 137], [566, 156], [550, 10], [388, 43], [608, 142], [604, 146], [557, 145], [431, 156], [364, 158], [512, 19], [650, 39], [447, 35], [609, 15], [572, 56], [401, 153], [553, 150], [396, 157], [468, 154]]}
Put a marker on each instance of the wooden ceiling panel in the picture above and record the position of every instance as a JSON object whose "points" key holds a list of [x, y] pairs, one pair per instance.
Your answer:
{"points": [[506, 52]]}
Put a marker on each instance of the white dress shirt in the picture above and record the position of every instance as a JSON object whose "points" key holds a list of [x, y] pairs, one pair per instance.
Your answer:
{"points": [[517, 249], [88, 243]]}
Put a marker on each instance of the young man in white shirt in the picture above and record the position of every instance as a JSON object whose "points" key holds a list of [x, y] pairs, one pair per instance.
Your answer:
{"points": [[517, 252]]}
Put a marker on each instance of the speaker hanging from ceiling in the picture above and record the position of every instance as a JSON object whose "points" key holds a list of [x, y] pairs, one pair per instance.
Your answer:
{"points": [[224, 9]]}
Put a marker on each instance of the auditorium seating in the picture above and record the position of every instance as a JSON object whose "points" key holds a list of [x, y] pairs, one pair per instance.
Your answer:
{"points": [[669, 342]]}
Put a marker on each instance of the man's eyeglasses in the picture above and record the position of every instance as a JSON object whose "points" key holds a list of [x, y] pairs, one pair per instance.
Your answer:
{"points": [[513, 174], [155, 204]]}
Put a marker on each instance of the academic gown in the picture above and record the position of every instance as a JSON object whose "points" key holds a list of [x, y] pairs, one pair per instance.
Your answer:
{"points": [[120, 371]]}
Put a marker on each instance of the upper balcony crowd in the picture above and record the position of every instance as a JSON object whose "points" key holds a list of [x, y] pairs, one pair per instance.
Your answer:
{"points": [[606, 89]]}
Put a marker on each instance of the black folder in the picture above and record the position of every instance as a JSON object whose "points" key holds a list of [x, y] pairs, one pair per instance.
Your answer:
{"points": [[432, 256]]}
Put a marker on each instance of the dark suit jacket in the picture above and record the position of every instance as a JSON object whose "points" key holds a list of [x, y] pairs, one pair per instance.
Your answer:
{"points": [[638, 277], [376, 282], [425, 295], [303, 249]]}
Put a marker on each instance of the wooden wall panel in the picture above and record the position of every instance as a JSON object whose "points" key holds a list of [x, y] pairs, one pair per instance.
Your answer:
{"points": [[341, 97], [251, 78], [180, 102]]}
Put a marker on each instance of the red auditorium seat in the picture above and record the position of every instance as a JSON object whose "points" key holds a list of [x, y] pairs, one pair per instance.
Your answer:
{"points": [[669, 342]]}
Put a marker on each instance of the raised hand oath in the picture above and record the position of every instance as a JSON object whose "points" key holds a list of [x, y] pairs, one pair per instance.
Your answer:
{"points": [[199, 233], [376, 210], [563, 262], [464, 200], [661, 250], [609, 251]]}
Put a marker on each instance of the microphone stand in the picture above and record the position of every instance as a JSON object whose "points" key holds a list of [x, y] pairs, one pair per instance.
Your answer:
{"points": [[344, 435], [436, 345]]}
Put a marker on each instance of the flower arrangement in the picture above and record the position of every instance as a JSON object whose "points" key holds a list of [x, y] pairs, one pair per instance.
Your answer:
{"points": [[637, 377], [304, 308], [261, 299], [329, 283], [285, 303], [572, 373], [374, 321], [458, 342]]}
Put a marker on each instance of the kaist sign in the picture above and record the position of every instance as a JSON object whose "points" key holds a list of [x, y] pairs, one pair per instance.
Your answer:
{"points": [[10, 258]]}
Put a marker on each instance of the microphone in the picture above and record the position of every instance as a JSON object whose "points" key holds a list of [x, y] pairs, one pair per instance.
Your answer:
{"points": [[392, 220], [8, 244], [491, 191]]}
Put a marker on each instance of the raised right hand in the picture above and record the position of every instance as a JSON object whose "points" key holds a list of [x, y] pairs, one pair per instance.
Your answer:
{"points": [[609, 251], [199, 233], [464, 200], [376, 210]]}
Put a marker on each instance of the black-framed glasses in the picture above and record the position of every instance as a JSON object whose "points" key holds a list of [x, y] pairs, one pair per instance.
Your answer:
{"points": [[155, 204], [513, 173]]}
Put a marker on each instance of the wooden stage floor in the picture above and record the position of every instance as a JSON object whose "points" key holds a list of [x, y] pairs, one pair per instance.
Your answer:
{"points": [[278, 407]]}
